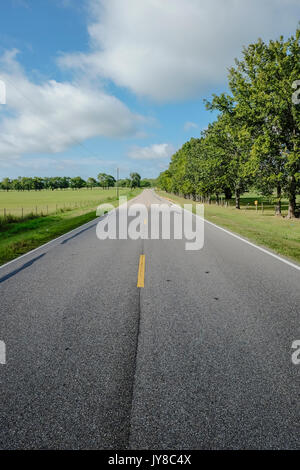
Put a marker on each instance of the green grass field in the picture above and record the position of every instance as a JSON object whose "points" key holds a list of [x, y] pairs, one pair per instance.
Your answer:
{"points": [[280, 234], [47, 201], [19, 236]]}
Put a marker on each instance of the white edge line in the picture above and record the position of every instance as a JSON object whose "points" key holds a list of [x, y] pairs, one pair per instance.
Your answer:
{"points": [[289, 263]]}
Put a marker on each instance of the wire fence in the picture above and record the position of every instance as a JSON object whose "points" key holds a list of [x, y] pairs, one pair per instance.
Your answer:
{"points": [[51, 208], [46, 209]]}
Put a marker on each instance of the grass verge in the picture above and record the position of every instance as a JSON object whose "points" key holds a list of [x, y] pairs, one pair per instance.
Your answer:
{"points": [[17, 238], [276, 233]]}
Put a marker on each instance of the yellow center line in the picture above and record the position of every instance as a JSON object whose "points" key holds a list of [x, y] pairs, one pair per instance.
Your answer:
{"points": [[141, 272]]}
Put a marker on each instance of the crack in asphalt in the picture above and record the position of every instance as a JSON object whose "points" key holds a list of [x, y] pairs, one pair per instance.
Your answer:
{"points": [[135, 361]]}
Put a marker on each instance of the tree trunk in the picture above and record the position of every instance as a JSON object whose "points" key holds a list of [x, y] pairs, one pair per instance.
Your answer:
{"points": [[237, 198], [228, 193], [292, 198], [293, 186], [278, 203]]}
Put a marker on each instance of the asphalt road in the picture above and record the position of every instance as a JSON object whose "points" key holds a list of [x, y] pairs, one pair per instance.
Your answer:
{"points": [[200, 358]]}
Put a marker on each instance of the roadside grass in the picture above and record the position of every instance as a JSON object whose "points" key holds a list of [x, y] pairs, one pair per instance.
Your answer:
{"points": [[19, 237], [279, 234]]}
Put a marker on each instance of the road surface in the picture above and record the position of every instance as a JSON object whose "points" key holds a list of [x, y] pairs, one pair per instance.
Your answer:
{"points": [[198, 358]]}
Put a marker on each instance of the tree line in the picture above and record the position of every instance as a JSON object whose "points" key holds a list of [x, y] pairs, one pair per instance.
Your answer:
{"points": [[255, 140], [64, 182]]}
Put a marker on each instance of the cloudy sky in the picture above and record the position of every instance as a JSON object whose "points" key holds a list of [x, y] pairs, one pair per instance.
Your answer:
{"points": [[92, 85]]}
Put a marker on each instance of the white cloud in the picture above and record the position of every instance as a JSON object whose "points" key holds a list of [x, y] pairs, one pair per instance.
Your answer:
{"points": [[153, 152], [46, 163], [52, 116], [190, 125], [175, 49]]}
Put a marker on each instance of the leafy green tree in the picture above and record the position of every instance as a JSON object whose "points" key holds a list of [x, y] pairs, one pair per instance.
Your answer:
{"points": [[165, 181], [37, 183], [17, 184], [91, 183], [135, 180], [77, 182], [261, 84], [234, 136], [106, 181], [124, 183], [63, 182], [215, 162], [53, 183], [145, 183], [256, 137], [26, 183], [6, 184]]}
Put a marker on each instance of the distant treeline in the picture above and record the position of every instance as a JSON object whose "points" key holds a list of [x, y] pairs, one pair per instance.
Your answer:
{"points": [[64, 182], [255, 140]]}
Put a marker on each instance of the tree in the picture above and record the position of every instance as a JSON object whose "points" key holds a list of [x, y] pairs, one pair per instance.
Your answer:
{"points": [[106, 181], [26, 183], [16, 184], [256, 137], [63, 182], [145, 183], [77, 182], [135, 180], [261, 84], [6, 184], [91, 183], [235, 139], [165, 181], [216, 161], [53, 183], [37, 183], [124, 183]]}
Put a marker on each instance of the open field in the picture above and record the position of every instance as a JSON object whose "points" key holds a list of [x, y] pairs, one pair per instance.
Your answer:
{"points": [[48, 202], [17, 238], [277, 233]]}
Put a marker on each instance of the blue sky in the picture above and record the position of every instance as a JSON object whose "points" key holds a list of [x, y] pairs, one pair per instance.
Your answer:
{"points": [[93, 85]]}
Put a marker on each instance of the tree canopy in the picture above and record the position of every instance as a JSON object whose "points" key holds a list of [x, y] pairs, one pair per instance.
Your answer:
{"points": [[255, 140]]}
